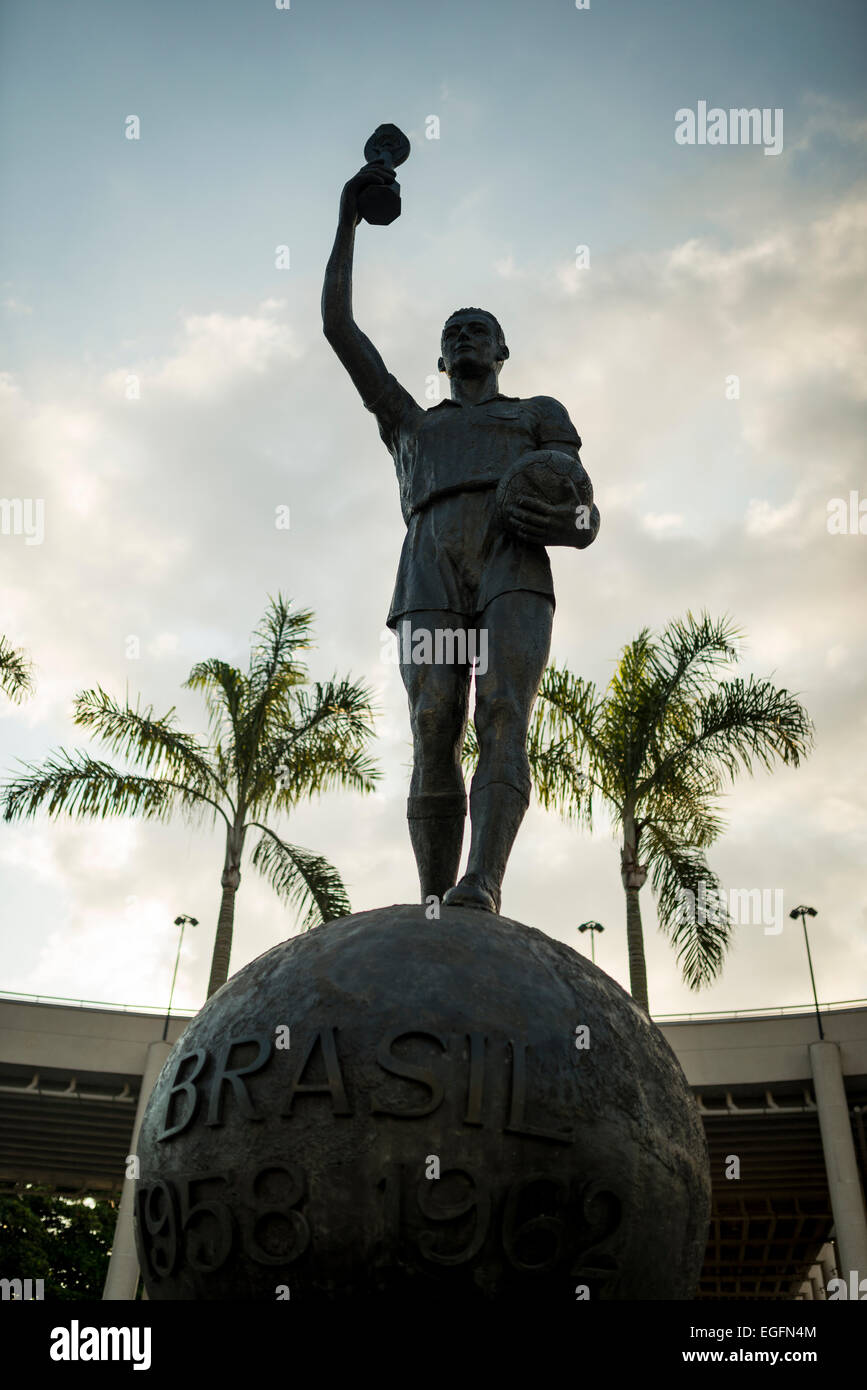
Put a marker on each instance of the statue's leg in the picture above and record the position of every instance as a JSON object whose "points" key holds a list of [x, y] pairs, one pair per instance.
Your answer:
{"points": [[437, 806], [518, 628]]}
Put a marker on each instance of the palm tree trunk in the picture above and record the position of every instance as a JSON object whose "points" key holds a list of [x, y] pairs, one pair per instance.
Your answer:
{"points": [[632, 876], [635, 947], [223, 942], [226, 920]]}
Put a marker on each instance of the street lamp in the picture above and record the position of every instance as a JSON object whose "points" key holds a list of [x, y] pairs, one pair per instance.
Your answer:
{"points": [[804, 913], [179, 922], [593, 928]]}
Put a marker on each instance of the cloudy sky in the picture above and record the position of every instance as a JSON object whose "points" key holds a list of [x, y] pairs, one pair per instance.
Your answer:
{"points": [[154, 258]]}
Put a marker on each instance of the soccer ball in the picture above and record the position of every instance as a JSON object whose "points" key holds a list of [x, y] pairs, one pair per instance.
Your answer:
{"points": [[544, 475]]}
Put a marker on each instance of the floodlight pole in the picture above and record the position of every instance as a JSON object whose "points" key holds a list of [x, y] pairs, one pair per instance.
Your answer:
{"points": [[804, 913], [179, 922], [593, 928]]}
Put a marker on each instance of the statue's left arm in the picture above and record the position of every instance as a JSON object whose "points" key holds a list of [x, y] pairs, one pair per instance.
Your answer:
{"points": [[573, 523]]}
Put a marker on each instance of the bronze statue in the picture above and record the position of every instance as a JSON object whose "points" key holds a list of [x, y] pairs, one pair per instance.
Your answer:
{"points": [[486, 482], [307, 1164]]}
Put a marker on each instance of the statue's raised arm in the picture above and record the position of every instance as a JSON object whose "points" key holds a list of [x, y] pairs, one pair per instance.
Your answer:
{"points": [[373, 195], [354, 348]]}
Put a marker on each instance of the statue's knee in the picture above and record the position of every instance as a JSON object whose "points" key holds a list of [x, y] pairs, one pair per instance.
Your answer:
{"points": [[500, 716], [501, 728], [436, 729]]}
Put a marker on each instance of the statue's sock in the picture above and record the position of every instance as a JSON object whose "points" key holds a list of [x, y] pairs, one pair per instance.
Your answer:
{"points": [[436, 828], [496, 812]]}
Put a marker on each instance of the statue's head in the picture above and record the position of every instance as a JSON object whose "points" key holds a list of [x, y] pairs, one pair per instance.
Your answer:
{"points": [[472, 343]]}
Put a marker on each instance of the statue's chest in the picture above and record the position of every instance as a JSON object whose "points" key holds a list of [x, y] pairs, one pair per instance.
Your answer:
{"points": [[493, 432]]}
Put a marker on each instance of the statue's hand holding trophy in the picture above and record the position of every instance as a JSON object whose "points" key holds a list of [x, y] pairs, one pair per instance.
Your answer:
{"points": [[374, 191]]}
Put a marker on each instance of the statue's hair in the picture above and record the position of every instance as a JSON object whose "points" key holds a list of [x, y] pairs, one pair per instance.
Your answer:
{"points": [[501, 337]]}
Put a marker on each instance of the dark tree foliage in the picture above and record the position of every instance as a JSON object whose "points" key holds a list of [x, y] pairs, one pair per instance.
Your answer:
{"points": [[65, 1241]]}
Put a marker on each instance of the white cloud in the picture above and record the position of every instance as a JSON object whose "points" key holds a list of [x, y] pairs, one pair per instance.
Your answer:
{"points": [[763, 519], [837, 656], [827, 116], [662, 524], [217, 350], [506, 268]]}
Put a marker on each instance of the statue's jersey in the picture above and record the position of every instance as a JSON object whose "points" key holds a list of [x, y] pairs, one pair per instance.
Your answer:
{"points": [[456, 556], [458, 448]]}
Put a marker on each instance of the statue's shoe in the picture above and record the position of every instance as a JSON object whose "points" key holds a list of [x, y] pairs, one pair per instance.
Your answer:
{"points": [[471, 892]]}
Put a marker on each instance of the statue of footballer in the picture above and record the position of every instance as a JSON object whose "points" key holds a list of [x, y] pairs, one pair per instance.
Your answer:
{"points": [[487, 481]]}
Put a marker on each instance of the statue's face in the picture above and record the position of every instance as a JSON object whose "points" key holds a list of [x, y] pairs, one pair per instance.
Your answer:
{"points": [[470, 346]]}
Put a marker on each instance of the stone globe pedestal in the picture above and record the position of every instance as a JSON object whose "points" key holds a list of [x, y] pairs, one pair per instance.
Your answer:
{"points": [[422, 1109]]}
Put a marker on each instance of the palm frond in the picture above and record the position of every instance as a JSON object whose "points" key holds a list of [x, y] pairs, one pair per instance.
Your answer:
{"points": [[273, 674], [154, 744], [691, 909], [570, 707], [568, 755], [567, 759], [689, 650], [322, 768], [322, 743], [559, 780], [658, 682], [307, 881], [470, 749], [226, 694], [278, 637], [626, 718], [16, 672], [83, 786], [737, 724], [684, 808]]}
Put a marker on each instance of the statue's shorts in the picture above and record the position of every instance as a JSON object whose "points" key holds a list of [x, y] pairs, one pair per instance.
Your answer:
{"points": [[457, 557]]}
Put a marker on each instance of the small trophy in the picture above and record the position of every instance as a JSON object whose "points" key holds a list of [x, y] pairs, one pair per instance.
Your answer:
{"points": [[380, 203]]}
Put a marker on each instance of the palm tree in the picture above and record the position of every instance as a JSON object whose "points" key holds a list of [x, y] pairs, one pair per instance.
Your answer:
{"points": [[272, 742], [656, 749], [16, 673]]}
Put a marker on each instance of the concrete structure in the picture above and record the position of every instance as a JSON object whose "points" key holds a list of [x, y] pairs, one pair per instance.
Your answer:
{"points": [[123, 1273], [844, 1183], [788, 1109]]}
